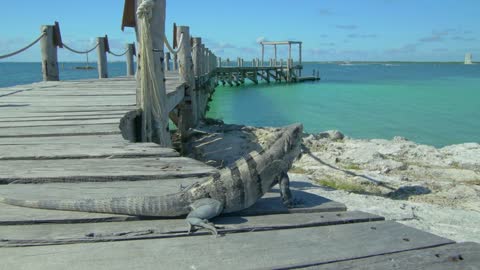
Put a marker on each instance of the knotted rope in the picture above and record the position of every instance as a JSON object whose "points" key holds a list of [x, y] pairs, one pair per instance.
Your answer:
{"points": [[149, 83]]}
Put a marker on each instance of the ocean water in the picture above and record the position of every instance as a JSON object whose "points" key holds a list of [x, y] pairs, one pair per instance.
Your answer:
{"points": [[429, 103], [24, 73], [435, 104]]}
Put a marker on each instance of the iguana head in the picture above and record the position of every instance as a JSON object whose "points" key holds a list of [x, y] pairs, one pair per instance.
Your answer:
{"points": [[292, 143]]}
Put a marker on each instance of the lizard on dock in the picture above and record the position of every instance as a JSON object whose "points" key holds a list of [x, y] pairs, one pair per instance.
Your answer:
{"points": [[231, 189]]}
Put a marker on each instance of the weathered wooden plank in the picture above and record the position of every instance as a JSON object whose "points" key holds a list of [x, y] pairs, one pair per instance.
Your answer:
{"points": [[70, 130], [93, 147], [235, 251], [99, 170], [271, 203], [448, 257], [51, 234], [53, 124], [54, 118], [101, 139], [15, 115]]}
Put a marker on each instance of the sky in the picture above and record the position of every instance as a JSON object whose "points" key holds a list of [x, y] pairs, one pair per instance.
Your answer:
{"points": [[331, 30]]}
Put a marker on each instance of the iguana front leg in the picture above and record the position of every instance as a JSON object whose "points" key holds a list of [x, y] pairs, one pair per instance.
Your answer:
{"points": [[285, 193], [202, 211]]}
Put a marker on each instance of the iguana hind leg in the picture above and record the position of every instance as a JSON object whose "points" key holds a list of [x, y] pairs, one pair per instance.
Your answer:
{"points": [[202, 211], [285, 193]]}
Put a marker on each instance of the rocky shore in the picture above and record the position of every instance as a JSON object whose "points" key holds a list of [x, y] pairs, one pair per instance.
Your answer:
{"points": [[432, 189]]}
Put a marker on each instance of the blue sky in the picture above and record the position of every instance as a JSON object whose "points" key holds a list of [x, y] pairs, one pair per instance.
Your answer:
{"points": [[423, 30]]}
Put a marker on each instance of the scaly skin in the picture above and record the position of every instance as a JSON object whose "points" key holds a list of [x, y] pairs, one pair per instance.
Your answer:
{"points": [[233, 189]]}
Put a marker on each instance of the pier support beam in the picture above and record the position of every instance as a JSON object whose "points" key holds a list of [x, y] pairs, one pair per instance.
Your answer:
{"points": [[167, 61], [102, 57], [188, 109], [197, 71], [129, 56], [175, 62], [49, 54]]}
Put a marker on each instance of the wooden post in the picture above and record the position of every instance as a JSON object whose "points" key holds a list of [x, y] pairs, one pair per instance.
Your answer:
{"points": [[300, 59], [275, 54], [129, 56], [49, 54], [197, 71], [196, 55], [167, 61], [263, 54], [289, 69], [102, 58], [175, 62], [188, 108], [289, 50], [202, 59], [154, 95], [207, 60]]}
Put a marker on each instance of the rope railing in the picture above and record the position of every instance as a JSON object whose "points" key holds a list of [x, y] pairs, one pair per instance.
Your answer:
{"points": [[170, 48], [79, 52], [119, 54], [24, 48]]}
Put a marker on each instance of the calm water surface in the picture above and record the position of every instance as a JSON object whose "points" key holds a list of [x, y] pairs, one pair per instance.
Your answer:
{"points": [[436, 104]]}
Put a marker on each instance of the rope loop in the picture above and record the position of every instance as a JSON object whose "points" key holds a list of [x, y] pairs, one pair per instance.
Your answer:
{"points": [[24, 48], [170, 48], [77, 51], [119, 54]]}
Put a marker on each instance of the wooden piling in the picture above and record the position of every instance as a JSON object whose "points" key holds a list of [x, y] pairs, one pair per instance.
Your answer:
{"points": [[197, 71], [102, 58], [153, 96], [175, 62], [196, 55], [188, 109], [300, 59], [129, 56], [202, 61], [49, 54], [167, 61]]}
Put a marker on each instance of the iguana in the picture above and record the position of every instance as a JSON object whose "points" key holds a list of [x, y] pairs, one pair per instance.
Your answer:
{"points": [[232, 189]]}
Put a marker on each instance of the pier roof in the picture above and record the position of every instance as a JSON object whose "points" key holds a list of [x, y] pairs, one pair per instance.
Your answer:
{"points": [[280, 42]]}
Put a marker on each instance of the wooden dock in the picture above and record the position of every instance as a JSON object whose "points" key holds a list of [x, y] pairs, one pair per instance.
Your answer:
{"points": [[66, 140], [61, 140]]}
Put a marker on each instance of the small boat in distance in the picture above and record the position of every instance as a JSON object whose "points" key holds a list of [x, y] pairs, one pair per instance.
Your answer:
{"points": [[86, 67], [468, 59]]}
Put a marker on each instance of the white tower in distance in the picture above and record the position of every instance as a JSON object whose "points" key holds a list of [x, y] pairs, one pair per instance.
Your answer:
{"points": [[468, 59]]}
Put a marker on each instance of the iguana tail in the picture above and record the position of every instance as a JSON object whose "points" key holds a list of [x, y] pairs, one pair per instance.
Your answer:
{"points": [[165, 206]]}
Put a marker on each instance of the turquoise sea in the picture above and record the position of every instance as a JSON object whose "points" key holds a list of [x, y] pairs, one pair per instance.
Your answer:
{"points": [[429, 103]]}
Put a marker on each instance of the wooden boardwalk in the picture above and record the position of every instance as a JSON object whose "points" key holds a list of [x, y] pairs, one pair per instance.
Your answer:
{"points": [[237, 75], [61, 140]]}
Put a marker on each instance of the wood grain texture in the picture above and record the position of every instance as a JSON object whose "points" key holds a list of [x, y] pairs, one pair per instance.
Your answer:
{"points": [[55, 234], [254, 250], [460, 256], [100, 170]]}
